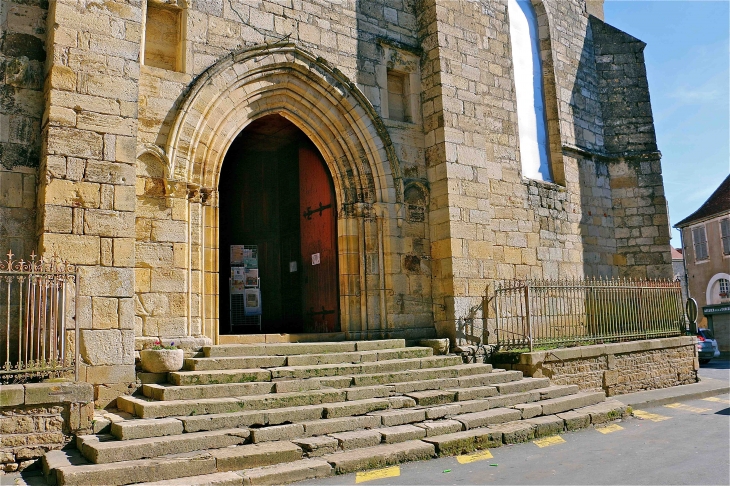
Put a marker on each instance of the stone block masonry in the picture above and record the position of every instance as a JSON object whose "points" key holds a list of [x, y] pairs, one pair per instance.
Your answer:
{"points": [[40, 417], [22, 57], [113, 133], [615, 368], [88, 165]]}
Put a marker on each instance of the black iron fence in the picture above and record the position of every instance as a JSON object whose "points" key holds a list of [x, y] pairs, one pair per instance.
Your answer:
{"points": [[554, 313], [37, 340]]}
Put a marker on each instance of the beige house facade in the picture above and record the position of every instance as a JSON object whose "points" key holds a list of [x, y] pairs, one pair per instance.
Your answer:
{"points": [[133, 133], [706, 242]]}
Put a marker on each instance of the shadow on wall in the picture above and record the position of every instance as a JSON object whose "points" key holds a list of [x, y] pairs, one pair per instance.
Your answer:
{"points": [[624, 223]]}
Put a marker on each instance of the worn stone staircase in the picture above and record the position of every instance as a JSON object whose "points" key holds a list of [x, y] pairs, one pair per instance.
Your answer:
{"points": [[279, 413]]}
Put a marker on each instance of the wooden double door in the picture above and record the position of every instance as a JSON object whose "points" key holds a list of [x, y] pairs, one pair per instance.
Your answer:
{"points": [[280, 197]]}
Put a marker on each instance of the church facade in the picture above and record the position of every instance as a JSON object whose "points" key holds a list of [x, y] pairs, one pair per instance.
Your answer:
{"points": [[379, 164]]}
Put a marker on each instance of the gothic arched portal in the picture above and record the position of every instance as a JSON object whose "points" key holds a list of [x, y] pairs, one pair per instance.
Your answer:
{"points": [[284, 80]]}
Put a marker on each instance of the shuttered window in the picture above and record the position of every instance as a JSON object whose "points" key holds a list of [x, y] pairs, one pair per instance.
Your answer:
{"points": [[725, 235], [700, 242]]}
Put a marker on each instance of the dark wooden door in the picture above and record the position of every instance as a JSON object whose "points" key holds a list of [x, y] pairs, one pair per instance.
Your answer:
{"points": [[317, 210]]}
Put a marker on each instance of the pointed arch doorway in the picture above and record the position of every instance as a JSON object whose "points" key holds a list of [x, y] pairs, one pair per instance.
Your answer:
{"points": [[277, 193]]}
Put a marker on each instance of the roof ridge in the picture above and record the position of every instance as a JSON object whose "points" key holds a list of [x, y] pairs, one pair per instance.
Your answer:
{"points": [[717, 202]]}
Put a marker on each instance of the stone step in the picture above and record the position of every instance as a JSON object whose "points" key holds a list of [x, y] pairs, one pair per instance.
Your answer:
{"points": [[411, 380], [432, 397], [321, 427], [359, 356], [145, 408], [276, 474], [309, 416], [523, 385], [233, 363], [286, 349], [489, 378], [482, 404], [487, 417], [102, 450], [240, 458], [379, 456], [415, 375], [216, 479], [562, 404], [255, 455], [287, 473], [347, 451], [213, 377], [130, 472], [556, 391], [401, 433], [196, 392], [385, 366], [274, 409], [145, 428]]}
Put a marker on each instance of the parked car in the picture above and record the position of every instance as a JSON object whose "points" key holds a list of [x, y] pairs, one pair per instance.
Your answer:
{"points": [[706, 346]]}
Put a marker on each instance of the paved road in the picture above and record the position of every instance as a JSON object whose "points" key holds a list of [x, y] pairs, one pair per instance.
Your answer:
{"points": [[718, 369], [690, 446]]}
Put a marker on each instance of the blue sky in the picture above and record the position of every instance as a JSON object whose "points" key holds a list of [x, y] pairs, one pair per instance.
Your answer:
{"points": [[687, 58]]}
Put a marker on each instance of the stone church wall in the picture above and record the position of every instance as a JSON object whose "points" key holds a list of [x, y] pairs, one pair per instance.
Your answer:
{"points": [[457, 214], [22, 57]]}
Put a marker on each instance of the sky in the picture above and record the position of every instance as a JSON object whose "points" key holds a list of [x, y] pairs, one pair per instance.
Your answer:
{"points": [[687, 61]]}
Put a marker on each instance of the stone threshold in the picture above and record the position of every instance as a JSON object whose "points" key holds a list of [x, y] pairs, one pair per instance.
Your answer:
{"points": [[281, 338]]}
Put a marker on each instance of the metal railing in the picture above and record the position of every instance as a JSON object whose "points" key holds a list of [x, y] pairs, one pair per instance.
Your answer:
{"points": [[551, 313], [34, 317]]}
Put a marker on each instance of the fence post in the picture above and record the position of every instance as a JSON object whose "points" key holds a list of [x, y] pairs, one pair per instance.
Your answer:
{"points": [[496, 315], [527, 314]]}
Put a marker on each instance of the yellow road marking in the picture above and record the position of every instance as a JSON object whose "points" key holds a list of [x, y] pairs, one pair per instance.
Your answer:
{"points": [[473, 457], [548, 441], [715, 399], [682, 406], [610, 428], [649, 416], [388, 472]]}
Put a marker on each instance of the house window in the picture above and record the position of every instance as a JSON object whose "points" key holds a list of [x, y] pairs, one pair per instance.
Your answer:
{"points": [[398, 108], [725, 235], [162, 47], [724, 288], [700, 242]]}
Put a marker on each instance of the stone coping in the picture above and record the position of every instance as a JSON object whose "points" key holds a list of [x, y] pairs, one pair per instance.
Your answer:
{"points": [[578, 352], [45, 393]]}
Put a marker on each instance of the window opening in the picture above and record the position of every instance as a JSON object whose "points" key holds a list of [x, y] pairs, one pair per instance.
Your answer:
{"points": [[724, 288], [700, 242], [725, 235], [529, 90]]}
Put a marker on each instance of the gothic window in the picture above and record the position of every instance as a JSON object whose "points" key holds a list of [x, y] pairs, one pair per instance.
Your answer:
{"points": [[162, 41], [532, 119]]}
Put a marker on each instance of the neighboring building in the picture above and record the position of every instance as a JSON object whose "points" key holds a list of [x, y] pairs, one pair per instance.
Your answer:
{"points": [[706, 244], [389, 159], [679, 271]]}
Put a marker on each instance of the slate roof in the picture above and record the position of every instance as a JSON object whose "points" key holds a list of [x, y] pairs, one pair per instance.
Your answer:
{"points": [[717, 203]]}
